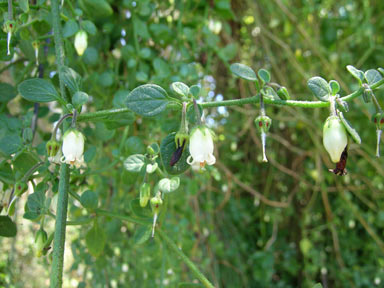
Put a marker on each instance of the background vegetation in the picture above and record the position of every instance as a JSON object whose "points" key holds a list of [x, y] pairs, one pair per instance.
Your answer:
{"points": [[285, 223]]}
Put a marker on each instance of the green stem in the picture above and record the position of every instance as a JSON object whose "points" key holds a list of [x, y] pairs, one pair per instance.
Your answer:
{"points": [[59, 237], [123, 217], [172, 245], [62, 203], [237, 102]]}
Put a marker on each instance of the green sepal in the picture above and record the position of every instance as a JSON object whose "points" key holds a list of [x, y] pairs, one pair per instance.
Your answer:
{"points": [[20, 188], [263, 124], [52, 148]]}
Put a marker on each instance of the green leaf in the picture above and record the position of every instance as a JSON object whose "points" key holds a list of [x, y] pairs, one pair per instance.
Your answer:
{"points": [[95, 240], [355, 136], [169, 185], [97, 8], [318, 285], [24, 161], [270, 93], [7, 92], [134, 163], [264, 75], [358, 74], [335, 87], [195, 91], [38, 90], [89, 27], [372, 76], [36, 202], [79, 99], [319, 88], [70, 28], [9, 144], [167, 148], [71, 79], [142, 234], [24, 5], [141, 212], [147, 100], [180, 89], [243, 71], [6, 173], [7, 227], [89, 199]]}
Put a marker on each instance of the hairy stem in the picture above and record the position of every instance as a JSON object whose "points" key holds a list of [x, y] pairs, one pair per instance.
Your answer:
{"points": [[62, 203], [236, 102]]}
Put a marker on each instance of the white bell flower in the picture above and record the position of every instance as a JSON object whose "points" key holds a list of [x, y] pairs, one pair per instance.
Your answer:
{"points": [[81, 42], [334, 138], [73, 148], [201, 147]]}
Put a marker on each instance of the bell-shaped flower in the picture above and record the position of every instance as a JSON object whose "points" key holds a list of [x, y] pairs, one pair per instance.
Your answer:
{"points": [[334, 138], [81, 42], [73, 148], [201, 147]]}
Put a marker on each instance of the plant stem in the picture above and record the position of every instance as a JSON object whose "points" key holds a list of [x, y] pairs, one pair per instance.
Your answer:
{"points": [[62, 203], [172, 245], [59, 238], [123, 217], [237, 102]]}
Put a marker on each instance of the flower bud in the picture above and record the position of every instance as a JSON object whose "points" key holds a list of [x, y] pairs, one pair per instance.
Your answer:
{"points": [[367, 93], [334, 137], [378, 119], [52, 148], [263, 123], [9, 28], [40, 240], [36, 45], [20, 188], [156, 204], [145, 194], [73, 148], [81, 42]]}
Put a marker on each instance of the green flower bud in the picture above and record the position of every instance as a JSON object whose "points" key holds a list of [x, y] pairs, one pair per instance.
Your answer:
{"points": [[145, 194], [367, 94], [9, 26], [52, 148], [20, 188], [156, 204], [81, 42], [378, 119], [40, 240], [263, 123], [334, 137]]}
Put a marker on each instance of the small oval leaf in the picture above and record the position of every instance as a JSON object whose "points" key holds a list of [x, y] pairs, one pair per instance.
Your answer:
{"points": [[319, 88], [147, 100], [243, 71], [372, 76], [134, 163], [7, 227], [38, 90]]}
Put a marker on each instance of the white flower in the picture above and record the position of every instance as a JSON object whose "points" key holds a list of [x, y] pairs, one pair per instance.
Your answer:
{"points": [[81, 42], [334, 138], [73, 148], [201, 147]]}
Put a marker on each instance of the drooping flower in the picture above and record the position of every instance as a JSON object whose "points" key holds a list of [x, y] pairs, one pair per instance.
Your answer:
{"points": [[81, 42], [334, 138], [73, 148], [201, 147]]}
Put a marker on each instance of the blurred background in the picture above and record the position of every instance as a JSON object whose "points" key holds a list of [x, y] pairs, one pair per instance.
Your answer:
{"points": [[285, 223]]}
